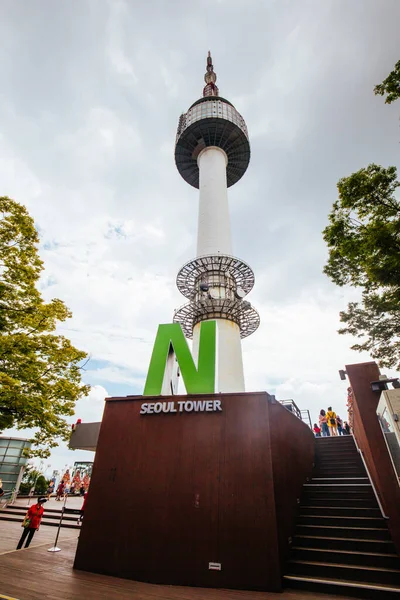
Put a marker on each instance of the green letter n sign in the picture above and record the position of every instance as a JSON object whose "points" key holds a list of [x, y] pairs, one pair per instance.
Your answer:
{"points": [[197, 381]]}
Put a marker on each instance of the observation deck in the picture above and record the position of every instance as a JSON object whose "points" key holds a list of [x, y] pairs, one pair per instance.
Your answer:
{"points": [[212, 121], [216, 286]]}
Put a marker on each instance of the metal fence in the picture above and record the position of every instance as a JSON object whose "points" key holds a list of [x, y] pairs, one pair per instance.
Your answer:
{"points": [[303, 415]]}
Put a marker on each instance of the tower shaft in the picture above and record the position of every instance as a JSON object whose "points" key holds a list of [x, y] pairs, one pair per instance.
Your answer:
{"points": [[229, 367], [214, 230], [214, 237]]}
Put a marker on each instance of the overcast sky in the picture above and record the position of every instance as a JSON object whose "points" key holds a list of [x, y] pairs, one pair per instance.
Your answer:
{"points": [[90, 96]]}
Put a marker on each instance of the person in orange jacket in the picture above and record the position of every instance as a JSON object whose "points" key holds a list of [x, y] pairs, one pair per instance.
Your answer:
{"points": [[31, 523]]}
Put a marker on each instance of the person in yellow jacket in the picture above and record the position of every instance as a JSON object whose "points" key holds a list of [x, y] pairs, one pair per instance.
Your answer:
{"points": [[332, 421]]}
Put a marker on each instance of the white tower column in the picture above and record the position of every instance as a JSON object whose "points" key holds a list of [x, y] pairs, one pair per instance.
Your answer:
{"points": [[229, 367], [214, 229], [214, 237]]}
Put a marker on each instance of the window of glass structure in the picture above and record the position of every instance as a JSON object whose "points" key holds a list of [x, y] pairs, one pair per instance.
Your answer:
{"points": [[212, 109], [10, 459], [388, 430], [17, 443], [9, 469], [14, 453]]}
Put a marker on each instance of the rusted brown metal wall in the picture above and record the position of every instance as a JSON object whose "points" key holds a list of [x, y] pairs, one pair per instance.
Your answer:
{"points": [[370, 440], [172, 492]]}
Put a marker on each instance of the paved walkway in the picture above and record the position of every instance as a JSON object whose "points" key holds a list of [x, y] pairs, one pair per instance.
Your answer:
{"points": [[34, 574], [10, 532]]}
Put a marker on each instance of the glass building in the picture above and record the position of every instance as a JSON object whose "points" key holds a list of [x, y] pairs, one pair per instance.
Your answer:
{"points": [[12, 461]]}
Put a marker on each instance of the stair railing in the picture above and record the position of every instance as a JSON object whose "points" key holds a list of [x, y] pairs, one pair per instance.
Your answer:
{"points": [[5, 499], [370, 479]]}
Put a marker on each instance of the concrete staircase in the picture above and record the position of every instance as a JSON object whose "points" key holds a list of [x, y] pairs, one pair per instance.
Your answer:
{"points": [[342, 544], [51, 516]]}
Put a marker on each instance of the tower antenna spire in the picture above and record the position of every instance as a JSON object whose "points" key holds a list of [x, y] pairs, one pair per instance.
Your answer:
{"points": [[210, 89]]}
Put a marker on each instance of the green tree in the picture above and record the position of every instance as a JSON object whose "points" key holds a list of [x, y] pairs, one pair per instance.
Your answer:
{"points": [[363, 238], [40, 372], [33, 478], [390, 86]]}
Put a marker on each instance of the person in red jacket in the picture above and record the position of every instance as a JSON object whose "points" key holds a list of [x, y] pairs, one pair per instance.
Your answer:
{"points": [[31, 523]]}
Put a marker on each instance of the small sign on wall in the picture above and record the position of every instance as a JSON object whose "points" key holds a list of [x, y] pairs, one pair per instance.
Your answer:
{"points": [[214, 566]]}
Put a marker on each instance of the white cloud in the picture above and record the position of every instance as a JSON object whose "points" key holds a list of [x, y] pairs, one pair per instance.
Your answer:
{"points": [[90, 408]]}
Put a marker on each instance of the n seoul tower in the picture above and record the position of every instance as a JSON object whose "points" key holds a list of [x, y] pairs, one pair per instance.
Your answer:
{"points": [[212, 152]]}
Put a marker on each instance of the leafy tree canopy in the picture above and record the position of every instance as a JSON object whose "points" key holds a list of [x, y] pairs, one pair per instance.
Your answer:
{"points": [[390, 86], [40, 375], [33, 478], [363, 238]]}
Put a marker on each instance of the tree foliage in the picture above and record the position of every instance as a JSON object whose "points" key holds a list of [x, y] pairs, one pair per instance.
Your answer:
{"points": [[390, 86], [363, 238], [40, 375], [33, 478]]}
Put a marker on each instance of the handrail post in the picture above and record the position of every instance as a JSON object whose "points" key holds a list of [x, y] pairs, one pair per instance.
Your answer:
{"points": [[370, 479], [55, 548]]}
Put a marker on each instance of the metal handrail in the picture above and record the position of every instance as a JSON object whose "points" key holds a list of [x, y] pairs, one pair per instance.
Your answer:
{"points": [[305, 417], [370, 479], [6, 498], [292, 407]]}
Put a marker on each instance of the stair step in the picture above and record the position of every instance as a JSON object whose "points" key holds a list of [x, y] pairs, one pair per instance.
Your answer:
{"points": [[339, 511], [339, 471], [328, 484], [338, 437], [334, 449], [334, 465], [359, 533], [25, 508], [330, 475], [331, 442], [345, 543], [337, 455], [343, 520], [44, 521], [55, 516], [338, 460], [371, 591], [332, 445], [339, 480], [309, 500], [341, 493], [349, 474], [337, 451], [338, 463], [360, 572], [373, 559]]}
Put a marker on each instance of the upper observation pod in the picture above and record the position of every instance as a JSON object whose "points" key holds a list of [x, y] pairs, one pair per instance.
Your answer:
{"points": [[211, 121]]}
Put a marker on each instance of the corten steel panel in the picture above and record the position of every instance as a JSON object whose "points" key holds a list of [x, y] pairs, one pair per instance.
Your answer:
{"points": [[293, 452], [85, 436], [172, 492], [370, 440], [247, 538]]}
